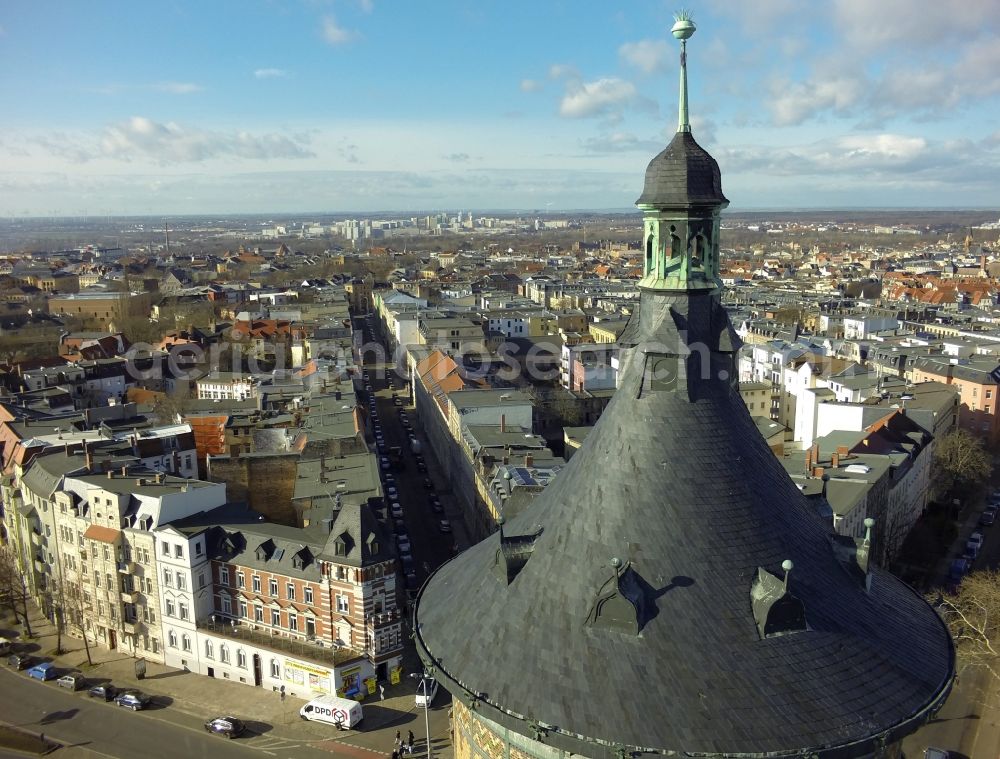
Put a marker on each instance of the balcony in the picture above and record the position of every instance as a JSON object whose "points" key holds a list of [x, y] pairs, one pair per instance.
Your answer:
{"points": [[36, 538], [39, 566], [261, 635], [126, 567], [129, 596], [383, 618], [134, 627]]}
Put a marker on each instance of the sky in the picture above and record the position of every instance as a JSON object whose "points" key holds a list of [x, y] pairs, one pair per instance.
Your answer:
{"points": [[342, 106]]}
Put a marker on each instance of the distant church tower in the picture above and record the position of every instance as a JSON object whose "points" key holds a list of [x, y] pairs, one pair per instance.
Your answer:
{"points": [[672, 592]]}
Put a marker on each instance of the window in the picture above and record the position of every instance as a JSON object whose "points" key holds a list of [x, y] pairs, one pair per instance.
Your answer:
{"points": [[343, 605], [241, 658], [989, 393], [243, 609], [197, 548], [106, 552], [272, 587], [309, 595], [209, 649], [224, 575], [224, 653], [275, 669], [241, 580], [109, 581], [168, 577], [201, 580], [178, 551], [290, 591], [170, 608], [97, 579], [293, 622], [181, 581], [275, 617], [166, 552], [256, 584], [258, 613], [182, 610], [186, 642], [172, 639], [227, 605]]}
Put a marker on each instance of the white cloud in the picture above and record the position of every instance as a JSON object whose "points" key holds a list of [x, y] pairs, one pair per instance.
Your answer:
{"points": [[531, 85], [367, 5], [602, 97], [270, 73], [648, 56], [563, 70], [621, 142], [873, 26], [334, 33], [141, 138], [794, 103], [178, 88]]}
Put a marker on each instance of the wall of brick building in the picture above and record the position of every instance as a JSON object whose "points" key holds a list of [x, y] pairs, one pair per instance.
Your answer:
{"points": [[264, 481]]}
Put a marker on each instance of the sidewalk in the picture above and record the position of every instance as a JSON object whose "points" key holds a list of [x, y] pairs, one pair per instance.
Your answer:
{"points": [[205, 697]]}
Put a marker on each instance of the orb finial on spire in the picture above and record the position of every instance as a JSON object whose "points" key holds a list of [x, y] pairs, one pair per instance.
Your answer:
{"points": [[682, 29]]}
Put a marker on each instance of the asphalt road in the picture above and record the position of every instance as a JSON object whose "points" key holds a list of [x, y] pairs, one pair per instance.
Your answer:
{"points": [[105, 729], [430, 547]]}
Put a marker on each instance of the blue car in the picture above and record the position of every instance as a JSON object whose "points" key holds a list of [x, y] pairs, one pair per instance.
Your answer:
{"points": [[43, 671]]}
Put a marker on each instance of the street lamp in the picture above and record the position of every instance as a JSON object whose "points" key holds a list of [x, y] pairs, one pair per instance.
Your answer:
{"points": [[424, 676]]}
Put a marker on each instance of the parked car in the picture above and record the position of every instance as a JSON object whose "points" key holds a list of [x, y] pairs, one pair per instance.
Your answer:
{"points": [[396, 510], [936, 753], [6, 646], [104, 691], [44, 671], [428, 483], [987, 518], [957, 570], [427, 689], [73, 681], [977, 538], [411, 580], [403, 542], [133, 699], [20, 661], [384, 462], [227, 726], [391, 493], [422, 467], [436, 506], [444, 526], [397, 402]]}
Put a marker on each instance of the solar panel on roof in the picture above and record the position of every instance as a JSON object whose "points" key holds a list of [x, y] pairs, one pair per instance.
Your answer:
{"points": [[278, 553]]}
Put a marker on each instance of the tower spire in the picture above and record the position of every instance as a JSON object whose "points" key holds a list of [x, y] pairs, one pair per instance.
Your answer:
{"points": [[682, 29]]}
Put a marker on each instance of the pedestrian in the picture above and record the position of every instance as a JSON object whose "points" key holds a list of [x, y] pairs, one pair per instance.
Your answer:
{"points": [[399, 740], [282, 692], [410, 737], [409, 744], [381, 692], [395, 753]]}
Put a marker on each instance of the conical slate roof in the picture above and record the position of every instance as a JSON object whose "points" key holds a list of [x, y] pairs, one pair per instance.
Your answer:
{"points": [[692, 644], [683, 173]]}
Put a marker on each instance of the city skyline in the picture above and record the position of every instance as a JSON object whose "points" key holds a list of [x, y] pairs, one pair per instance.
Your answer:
{"points": [[364, 106]]}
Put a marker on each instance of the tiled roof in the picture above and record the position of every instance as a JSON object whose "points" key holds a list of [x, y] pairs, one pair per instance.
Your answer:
{"points": [[677, 483]]}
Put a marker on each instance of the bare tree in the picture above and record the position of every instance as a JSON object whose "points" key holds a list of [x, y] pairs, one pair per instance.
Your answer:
{"points": [[14, 586], [973, 617], [72, 608], [961, 465]]}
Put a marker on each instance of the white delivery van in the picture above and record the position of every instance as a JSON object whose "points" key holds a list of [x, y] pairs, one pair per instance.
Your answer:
{"points": [[341, 712]]}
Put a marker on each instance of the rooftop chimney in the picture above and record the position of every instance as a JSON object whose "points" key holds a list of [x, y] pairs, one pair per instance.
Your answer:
{"points": [[529, 460], [503, 422]]}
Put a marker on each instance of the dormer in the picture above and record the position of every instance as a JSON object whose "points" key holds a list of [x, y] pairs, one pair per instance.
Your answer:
{"points": [[343, 544], [265, 550], [776, 610], [624, 603], [373, 544], [302, 558]]}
